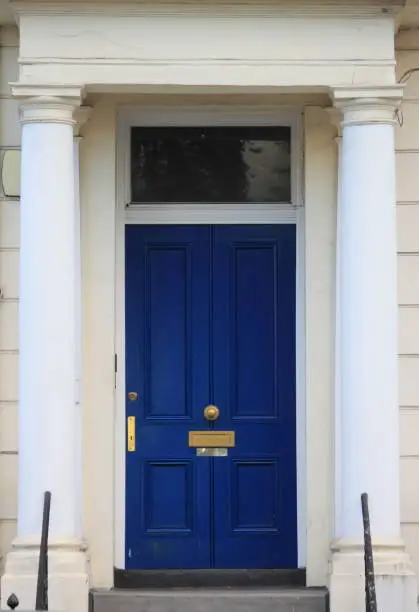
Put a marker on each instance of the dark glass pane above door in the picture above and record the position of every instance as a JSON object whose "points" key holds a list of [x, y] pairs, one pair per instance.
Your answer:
{"points": [[220, 164]]}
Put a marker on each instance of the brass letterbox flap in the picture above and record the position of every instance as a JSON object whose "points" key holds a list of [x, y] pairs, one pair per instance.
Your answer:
{"points": [[211, 438]]}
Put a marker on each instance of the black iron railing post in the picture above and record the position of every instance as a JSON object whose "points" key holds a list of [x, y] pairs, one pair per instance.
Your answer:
{"points": [[370, 595], [42, 586]]}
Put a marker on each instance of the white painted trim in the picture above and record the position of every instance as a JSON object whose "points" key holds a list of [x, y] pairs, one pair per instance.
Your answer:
{"points": [[207, 115], [337, 464], [120, 408], [210, 214], [73, 94], [300, 381], [291, 212]]}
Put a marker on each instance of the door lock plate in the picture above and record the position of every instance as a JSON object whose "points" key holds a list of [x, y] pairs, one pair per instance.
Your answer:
{"points": [[131, 434]]}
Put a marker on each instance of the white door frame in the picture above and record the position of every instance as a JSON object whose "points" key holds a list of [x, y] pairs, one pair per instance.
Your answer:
{"points": [[289, 212]]}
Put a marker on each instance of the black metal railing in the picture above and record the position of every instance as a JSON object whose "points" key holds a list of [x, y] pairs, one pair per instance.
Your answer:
{"points": [[41, 602], [370, 594], [42, 586]]}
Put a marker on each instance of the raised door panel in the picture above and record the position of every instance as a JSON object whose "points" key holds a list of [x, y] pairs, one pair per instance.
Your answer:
{"points": [[168, 323], [251, 513], [253, 312]]}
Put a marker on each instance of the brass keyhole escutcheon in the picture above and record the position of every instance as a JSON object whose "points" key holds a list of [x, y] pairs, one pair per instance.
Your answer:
{"points": [[132, 396], [211, 413]]}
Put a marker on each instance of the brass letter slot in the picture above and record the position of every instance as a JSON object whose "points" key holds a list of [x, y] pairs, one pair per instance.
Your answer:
{"points": [[211, 438], [131, 434]]}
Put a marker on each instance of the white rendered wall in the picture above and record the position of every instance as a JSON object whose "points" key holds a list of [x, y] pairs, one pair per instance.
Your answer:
{"points": [[407, 146], [9, 266]]}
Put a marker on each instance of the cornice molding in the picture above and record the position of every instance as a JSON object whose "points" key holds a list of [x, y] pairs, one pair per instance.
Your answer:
{"points": [[175, 61], [289, 7]]}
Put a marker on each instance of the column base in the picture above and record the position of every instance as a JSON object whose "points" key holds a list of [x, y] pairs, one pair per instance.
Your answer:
{"points": [[68, 575], [395, 579]]}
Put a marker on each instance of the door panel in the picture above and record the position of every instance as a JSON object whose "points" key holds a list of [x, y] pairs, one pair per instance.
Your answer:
{"points": [[254, 388], [210, 318], [167, 352]]}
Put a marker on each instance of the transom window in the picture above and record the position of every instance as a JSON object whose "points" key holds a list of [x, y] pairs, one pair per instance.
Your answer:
{"points": [[210, 164]]}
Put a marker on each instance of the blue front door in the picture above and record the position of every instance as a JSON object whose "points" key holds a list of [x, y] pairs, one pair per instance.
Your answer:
{"points": [[210, 319]]}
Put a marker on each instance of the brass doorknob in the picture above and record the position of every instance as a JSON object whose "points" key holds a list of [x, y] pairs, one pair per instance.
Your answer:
{"points": [[211, 413]]}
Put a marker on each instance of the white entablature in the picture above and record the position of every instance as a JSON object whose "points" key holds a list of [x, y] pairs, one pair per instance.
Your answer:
{"points": [[261, 46]]}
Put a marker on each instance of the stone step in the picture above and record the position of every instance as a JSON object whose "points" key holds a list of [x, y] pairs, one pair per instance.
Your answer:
{"points": [[211, 600]]}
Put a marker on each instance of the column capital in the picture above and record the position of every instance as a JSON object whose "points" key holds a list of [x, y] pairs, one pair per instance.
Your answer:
{"points": [[48, 103], [367, 105], [48, 110]]}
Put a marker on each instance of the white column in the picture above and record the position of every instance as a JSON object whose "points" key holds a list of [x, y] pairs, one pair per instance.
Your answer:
{"points": [[368, 319], [49, 428], [367, 336], [47, 449]]}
